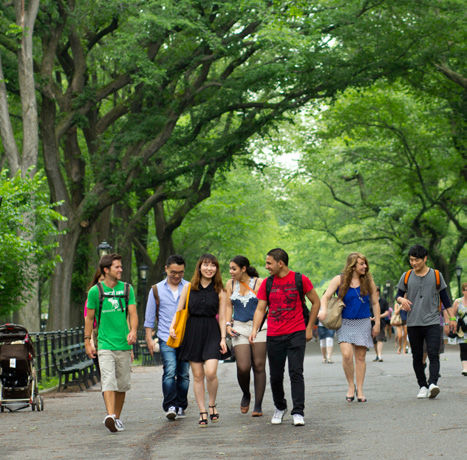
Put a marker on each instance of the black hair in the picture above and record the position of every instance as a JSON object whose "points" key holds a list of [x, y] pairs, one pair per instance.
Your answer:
{"points": [[418, 251], [279, 254], [175, 259], [242, 261]]}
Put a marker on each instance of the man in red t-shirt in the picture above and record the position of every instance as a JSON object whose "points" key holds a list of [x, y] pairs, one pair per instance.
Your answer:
{"points": [[287, 332]]}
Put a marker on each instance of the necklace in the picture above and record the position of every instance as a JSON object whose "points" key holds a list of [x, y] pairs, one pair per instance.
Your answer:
{"points": [[358, 295]]}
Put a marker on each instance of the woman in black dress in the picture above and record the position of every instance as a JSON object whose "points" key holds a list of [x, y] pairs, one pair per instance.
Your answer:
{"points": [[204, 341]]}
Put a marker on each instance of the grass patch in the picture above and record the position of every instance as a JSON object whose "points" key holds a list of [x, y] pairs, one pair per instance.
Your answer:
{"points": [[46, 383]]}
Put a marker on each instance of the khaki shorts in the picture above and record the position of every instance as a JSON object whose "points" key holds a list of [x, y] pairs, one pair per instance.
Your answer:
{"points": [[244, 329], [115, 366]]}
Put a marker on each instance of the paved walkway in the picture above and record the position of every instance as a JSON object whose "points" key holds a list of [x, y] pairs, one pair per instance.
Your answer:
{"points": [[393, 424]]}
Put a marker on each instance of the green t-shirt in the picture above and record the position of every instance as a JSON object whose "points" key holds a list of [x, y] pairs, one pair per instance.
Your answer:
{"points": [[113, 327]]}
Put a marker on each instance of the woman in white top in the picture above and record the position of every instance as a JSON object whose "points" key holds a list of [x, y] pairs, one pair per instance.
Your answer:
{"points": [[241, 306]]}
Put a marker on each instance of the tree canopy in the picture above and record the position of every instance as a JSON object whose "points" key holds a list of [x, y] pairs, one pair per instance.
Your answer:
{"points": [[141, 104]]}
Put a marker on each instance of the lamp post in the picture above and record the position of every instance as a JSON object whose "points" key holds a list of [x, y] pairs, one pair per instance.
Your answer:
{"points": [[103, 249], [143, 274], [388, 290], [458, 274]]}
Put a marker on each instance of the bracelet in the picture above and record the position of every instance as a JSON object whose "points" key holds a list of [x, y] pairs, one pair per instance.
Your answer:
{"points": [[228, 324], [87, 337], [452, 319], [222, 338]]}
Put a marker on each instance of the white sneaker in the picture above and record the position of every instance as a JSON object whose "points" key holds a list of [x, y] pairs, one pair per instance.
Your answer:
{"points": [[119, 425], [171, 414], [181, 413], [423, 393], [433, 391], [298, 420], [109, 422], [278, 416]]}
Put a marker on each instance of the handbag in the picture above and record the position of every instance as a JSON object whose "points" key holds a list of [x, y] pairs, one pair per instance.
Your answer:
{"points": [[181, 318], [396, 320], [333, 318]]}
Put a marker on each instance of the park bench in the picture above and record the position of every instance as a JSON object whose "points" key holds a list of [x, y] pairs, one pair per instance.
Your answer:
{"points": [[73, 363]]}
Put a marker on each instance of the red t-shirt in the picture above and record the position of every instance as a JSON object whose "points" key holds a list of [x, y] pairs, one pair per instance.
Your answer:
{"points": [[285, 307]]}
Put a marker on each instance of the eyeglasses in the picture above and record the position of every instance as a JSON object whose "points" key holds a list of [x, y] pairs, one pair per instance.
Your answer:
{"points": [[177, 273]]}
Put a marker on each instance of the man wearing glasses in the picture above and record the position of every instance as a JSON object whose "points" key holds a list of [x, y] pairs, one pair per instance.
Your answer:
{"points": [[161, 307]]}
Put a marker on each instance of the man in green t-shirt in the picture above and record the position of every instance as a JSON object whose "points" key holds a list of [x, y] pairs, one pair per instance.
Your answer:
{"points": [[117, 325]]}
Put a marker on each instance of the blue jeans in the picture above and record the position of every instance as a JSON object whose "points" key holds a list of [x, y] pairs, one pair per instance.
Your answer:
{"points": [[176, 378]]}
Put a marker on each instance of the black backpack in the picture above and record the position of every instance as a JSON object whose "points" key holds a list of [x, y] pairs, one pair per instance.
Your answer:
{"points": [[299, 285]]}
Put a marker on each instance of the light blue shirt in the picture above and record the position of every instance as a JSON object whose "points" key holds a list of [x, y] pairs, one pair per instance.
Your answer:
{"points": [[167, 308]]}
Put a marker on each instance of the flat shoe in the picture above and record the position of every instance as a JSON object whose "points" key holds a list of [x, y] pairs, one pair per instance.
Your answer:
{"points": [[256, 414], [244, 410]]}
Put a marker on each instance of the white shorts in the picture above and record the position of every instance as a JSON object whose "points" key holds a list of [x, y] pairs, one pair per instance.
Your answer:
{"points": [[115, 366], [244, 329]]}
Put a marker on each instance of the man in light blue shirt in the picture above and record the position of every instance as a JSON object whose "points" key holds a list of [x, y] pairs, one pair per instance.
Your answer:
{"points": [[161, 308]]}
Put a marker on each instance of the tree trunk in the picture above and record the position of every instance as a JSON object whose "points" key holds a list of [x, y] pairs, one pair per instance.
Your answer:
{"points": [[60, 288]]}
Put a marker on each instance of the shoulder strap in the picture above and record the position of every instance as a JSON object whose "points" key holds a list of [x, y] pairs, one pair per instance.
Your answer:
{"points": [[269, 282], [406, 278], [299, 284], [438, 285], [158, 300], [248, 287], [101, 301], [438, 280], [126, 296]]}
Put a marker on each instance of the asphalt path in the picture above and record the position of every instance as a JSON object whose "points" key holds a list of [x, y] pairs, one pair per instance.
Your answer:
{"points": [[393, 423]]}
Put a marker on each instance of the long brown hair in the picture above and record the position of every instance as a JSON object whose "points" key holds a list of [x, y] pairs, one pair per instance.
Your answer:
{"points": [[218, 285], [95, 278], [346, 277]]}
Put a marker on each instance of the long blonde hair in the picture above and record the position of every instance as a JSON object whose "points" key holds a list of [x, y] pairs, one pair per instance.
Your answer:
{"points": [[347, 273]]}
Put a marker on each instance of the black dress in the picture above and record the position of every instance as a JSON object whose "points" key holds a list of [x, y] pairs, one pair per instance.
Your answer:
{"points": [[202, 335]]}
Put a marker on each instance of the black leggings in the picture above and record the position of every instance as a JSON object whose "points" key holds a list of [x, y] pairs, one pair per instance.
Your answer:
{"points": [[463, 347], [248, 357]]}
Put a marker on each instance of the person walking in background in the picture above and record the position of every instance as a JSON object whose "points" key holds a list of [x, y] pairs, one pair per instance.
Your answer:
{"points": [[419, 294], [242, 291], [388, 326], [460, 309], [381, 337], [326, 342], [113, 302], [401, 330], [287, 331], [204, 342], [357, 289], [163, 300]]}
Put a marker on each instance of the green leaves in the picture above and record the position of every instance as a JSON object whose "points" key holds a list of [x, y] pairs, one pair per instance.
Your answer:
{"points": [[27, 237]]}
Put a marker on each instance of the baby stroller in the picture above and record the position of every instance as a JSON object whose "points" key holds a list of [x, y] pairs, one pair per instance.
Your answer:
{"points": [[18, 381]]}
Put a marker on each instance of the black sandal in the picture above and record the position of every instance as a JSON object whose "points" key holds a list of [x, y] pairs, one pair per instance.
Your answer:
{"points": [[204, 421], [214, 417]]}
